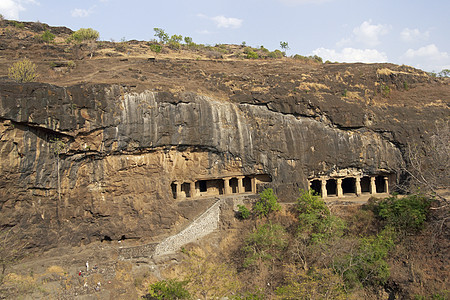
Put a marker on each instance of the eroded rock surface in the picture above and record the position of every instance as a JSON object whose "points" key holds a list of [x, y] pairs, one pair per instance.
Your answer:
{"points": [[117, 150]]}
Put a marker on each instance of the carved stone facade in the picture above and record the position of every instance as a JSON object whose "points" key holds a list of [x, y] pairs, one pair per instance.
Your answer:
{"points": [[231, 184], [351, 185]]}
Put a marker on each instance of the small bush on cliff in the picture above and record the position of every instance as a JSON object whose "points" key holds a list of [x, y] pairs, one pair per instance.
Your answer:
{"points": [[161, 34], [47, 37], [84, 34], [23, 71], [266, 243], [366, 265], [267, 203], [243, 212], [316, 223], [169, 289], [406, 214]]}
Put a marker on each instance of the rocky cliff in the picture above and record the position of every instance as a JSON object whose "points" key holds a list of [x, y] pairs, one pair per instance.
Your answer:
{"points": [[96, 161]]}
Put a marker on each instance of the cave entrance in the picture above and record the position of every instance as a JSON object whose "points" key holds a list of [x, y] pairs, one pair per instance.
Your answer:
{"points": [[234, 185], [349, 185], [247, 182], [316, 187], [173, 187], [331, 187], [186, 188], [365, 185], [380, 184], [215, 187], [202, 187]]}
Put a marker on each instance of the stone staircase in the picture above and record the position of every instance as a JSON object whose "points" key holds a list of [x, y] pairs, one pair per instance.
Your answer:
{"points": [[203, 225]]}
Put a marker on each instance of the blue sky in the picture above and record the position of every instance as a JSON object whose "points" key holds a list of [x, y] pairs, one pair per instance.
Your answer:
{"points": [[411, 32]]}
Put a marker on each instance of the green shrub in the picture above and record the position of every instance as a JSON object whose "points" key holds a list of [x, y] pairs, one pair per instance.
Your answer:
{"points": [[23, 71], [315, 219], [84, 34], [161, 34], [267, 242], [407, 214], [155, 48], [367, 265], [188, 40], [19, 25], [170, 289], [385, 90], [263, 49], [252, 55], [267, 203], [244, 212], [47, 36], [314, 58], [275, 54]]}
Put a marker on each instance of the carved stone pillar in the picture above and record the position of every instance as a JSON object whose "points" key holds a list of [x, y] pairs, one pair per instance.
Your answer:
{"points": [[178, 190], [226, 185], [358, 185], [192, 191], [240, 184], [373, 187], [253, 181], [340, 193], [324, 188], [386, 184]]}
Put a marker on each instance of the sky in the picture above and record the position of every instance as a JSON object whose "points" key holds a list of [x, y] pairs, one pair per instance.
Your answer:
{"points": [[410, 32]]}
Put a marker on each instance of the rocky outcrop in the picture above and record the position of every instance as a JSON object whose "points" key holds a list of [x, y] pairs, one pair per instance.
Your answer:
{"points": [[90, 162]]}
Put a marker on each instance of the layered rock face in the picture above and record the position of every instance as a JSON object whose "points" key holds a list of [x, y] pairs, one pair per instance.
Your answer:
{"points": [[90, 162]]}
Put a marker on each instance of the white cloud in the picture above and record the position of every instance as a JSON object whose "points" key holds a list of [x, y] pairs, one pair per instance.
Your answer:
{"points": [[430, 52], [369, 34], [351, 55], [224, 22], [10, 9], [82, 13], [429, 58], [298, 2], [412, 35]]}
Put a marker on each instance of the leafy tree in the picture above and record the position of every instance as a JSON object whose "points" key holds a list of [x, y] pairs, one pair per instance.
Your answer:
{"points": [[444, 73], [284, 46], [174, 42], [407, 214], [47, 37], [23, 71], [161, 34], [85, 35], [170, 289], [266, 243], [367, 265], [267, 203], [315, 220], [188, 40]]}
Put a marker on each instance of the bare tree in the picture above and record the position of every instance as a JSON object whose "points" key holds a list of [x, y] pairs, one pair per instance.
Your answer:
{"points": [[11, 250], [428, 163]]}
